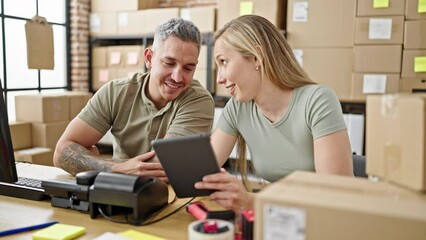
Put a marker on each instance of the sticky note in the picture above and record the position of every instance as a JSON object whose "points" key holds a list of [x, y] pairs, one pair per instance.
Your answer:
{"points": [[419, 64], [380, 3], [246, 8], [103, 75], [115, 58], [374, 83], [422, 6], [132, 58], [59, 232], [132, 234]]}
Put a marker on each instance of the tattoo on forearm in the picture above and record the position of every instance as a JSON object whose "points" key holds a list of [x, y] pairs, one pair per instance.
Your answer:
{"points": [[76, 158]]}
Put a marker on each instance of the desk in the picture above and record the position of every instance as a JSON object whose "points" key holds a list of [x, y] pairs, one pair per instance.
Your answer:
{"points": [[15, 212]]}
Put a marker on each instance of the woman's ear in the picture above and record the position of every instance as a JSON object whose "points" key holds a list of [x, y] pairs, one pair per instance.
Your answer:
{"points": [[148, 57]]}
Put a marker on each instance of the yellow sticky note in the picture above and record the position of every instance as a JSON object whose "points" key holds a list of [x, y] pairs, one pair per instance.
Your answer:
{"points": [[246, 8], [59, 232], [422, 6], [380, 3], [419, 64], [132, 234]]}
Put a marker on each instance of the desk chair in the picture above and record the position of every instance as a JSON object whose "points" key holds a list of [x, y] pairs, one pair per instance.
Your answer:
{"points": [[359, 165]]}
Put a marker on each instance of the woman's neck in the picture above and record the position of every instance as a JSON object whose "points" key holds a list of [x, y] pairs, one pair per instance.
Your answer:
{"points": [[273, 102]]}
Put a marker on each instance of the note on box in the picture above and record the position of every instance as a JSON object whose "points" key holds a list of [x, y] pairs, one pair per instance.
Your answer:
{"points": [[59, 232]]}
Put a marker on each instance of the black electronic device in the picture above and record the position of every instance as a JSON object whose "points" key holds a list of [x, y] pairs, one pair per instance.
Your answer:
{"points": [[186, 160], [113, 193], [10, 183]]}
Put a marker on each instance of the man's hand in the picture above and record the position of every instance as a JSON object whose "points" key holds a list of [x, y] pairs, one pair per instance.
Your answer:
{"points": [[142, 165]]}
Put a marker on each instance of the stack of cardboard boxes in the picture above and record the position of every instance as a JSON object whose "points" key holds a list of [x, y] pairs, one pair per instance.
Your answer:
{"points": [[138, 19], [40, 121]]}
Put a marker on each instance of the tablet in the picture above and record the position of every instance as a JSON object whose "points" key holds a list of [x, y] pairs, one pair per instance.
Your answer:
{"points": [[186, 160]]}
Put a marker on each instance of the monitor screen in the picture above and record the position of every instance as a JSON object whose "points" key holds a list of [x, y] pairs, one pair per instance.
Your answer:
{"points": [[7, 159]]}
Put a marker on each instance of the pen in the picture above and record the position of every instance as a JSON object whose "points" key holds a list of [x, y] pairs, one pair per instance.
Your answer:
{"points": [[24, 229]]}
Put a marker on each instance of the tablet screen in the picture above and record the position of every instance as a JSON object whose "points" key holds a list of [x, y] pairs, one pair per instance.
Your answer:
{"points": [[186, 160]]}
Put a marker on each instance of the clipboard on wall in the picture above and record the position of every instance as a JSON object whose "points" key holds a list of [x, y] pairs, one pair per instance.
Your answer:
{"points": [[40, 49]]}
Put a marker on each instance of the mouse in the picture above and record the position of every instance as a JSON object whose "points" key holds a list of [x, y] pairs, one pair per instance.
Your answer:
{"points": [[86, 178]]}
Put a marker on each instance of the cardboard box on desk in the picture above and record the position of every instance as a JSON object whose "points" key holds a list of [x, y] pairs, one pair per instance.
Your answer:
{"points": [[37, 155], [396, 139], [20, 133], [42, 108], [312, 206]]}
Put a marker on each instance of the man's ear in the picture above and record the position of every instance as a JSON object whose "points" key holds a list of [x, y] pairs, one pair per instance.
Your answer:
{"points": [[148, 57]]}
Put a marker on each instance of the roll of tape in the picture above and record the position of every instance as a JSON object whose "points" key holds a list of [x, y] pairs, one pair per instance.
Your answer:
{"points": [[195, 231]]}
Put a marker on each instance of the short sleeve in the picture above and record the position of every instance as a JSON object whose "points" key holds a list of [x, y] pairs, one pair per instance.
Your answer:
{"points": [[228, 119]]}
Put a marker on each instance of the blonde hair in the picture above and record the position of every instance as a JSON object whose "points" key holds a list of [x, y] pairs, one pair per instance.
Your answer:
{"points": [[255, 36]]}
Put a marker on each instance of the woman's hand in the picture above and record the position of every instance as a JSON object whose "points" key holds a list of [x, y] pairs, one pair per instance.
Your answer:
{"points": [[230, 192], [142, 165]]}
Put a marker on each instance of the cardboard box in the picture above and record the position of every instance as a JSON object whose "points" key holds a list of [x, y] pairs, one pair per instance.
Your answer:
{"points": [[413, 85], [101, 76], [20, 132], [103, 24], [326, 23], [37, 155], [329, 66], [99, 56], [122, 5], [379, 30], [415, 35], [367, 84], [414, 64], [313, 206], [42, 108], [133, 56], [412, 11], [395, 139], [47, 134], [203, 17], [377, 58], [115, 56], [273, 10], [129, 23], [77, 101], [367, 8]]}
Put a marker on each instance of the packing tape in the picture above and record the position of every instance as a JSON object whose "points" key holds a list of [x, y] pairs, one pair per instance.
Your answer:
{"points": [[195, 230]]}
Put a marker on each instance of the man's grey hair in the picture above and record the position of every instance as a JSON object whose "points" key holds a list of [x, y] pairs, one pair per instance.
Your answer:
{"points": [[180, 28]]}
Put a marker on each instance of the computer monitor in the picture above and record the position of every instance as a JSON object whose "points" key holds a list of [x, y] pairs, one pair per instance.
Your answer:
{"points": [[7, 160]]}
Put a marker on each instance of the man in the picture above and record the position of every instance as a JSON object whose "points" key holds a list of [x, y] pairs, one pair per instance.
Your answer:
{"points": [[162, 103]]}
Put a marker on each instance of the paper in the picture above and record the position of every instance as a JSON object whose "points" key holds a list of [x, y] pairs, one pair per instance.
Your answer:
{"points": [[132, 58], [115, 58], [422, 6], [283, 223], [95, 23], [123, 19], [110, 236], [298, 54], [103, 75], [374, 83], [59, 232], [300, 11], [132, 234], [246, 8], [185, 13], [380, 28], [381, 4], [419, 64]]}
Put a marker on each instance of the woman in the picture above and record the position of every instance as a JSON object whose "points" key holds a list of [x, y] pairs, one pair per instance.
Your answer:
{"points": [[288, 122]]}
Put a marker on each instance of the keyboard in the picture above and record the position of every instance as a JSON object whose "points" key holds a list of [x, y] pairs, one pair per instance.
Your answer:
{"points": [[26, 188]]}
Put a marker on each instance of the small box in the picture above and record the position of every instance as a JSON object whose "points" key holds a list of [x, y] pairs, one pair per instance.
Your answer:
{"points": [[37, 155], [99, 56], [20, 133], [415, 10], [367, 84], [47, 134], [415, 35], [379, 30], [414, 64], [313, 206], [377, 58], [368, 8], [396, 139], [101, 76], [42, 108]]}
